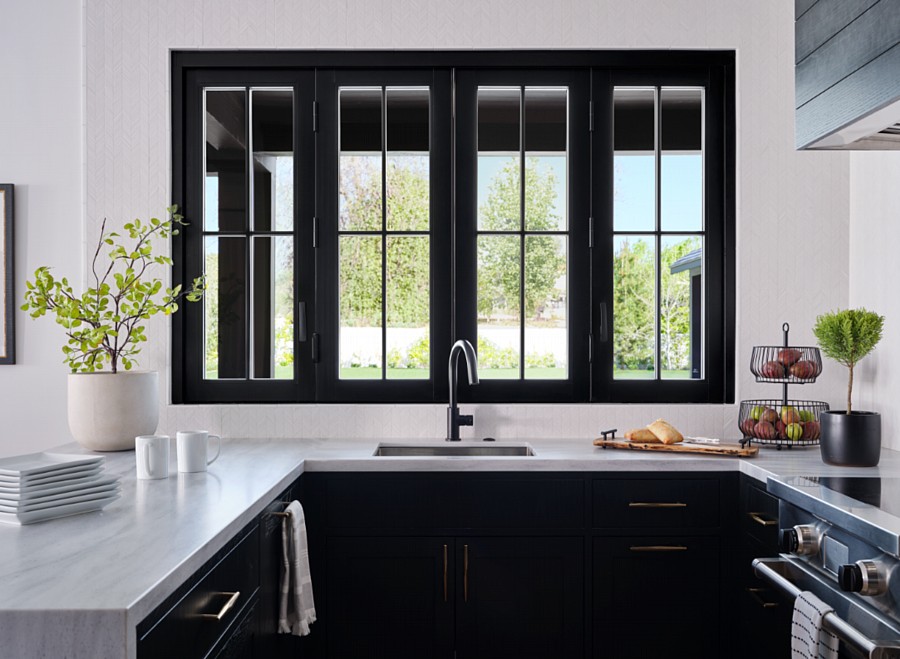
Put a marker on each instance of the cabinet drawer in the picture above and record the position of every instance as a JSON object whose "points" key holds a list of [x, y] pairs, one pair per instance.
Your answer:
{"points": [[759, 516], [193, 623], [399, 503], [656, 503]]}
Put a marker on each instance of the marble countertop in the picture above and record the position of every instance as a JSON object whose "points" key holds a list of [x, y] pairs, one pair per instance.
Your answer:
{"points": [[100, 573]]}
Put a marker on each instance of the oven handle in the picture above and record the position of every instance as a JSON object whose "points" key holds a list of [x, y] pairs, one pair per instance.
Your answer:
{"points": [[831, 621]]}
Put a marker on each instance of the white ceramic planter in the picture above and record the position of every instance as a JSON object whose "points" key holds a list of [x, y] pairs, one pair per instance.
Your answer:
{"points": [[108, 410]]}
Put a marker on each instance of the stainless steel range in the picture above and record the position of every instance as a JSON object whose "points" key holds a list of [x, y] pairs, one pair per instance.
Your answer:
{"points": [[840, 538]]}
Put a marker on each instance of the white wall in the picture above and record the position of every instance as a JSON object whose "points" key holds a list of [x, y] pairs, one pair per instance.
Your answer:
{"points": [[41, 130], [792, 207], [874, 275]]}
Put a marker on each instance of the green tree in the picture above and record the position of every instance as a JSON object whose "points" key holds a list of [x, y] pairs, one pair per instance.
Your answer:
{"points": [[634, 306], [407, 257], [675, 307], [633, 298], [499, 257]]}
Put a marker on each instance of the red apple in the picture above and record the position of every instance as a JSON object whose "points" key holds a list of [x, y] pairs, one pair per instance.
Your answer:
{"points": [[774, 370], [789, 356], [747, 427], [780, 429], [804, 370], [811, 430], [764, 430], [769, 415]]}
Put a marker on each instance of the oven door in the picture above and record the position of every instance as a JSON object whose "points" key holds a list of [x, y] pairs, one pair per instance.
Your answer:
{"points": [[862, 631]]}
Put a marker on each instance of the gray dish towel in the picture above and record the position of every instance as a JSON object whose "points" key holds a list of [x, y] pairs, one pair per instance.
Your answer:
{"points": [[808, 639], [297, 610]]}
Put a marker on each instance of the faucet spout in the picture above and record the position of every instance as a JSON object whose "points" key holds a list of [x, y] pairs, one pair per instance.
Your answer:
{"points": [[454, 418]]}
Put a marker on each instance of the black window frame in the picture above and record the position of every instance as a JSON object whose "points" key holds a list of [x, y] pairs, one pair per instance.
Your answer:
{"points": [[452, 303]]}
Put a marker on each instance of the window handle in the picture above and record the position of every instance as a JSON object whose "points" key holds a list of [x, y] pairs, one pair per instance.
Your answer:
{"points": [[301, 321], [604, 332]]}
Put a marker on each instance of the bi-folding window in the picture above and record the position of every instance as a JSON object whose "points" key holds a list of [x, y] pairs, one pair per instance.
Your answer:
{"points": [[575, 224]]}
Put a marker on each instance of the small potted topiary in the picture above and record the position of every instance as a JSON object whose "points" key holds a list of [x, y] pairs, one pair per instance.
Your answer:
{"points": [[850, 438], [106, 326]]}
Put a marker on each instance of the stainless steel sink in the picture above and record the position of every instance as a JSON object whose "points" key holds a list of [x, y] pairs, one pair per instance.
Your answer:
{"points": [[453, 449]]}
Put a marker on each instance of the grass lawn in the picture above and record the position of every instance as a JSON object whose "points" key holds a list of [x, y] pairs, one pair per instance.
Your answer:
{"points": [[649, 375], [372, 373]]}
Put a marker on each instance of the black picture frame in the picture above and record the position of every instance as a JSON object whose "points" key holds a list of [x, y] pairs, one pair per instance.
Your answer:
{"points": [[7, 283]]}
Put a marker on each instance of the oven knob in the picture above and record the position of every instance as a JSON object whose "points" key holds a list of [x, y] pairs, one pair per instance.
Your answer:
{"points": [[863, 577], [802, 540]]}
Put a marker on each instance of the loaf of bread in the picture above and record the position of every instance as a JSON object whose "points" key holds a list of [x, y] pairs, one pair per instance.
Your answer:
{"points": [[642, 435], [665, 432]]}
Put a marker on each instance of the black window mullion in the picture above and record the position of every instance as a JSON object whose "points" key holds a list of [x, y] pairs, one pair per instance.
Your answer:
{"points": [[383, 233], [522, 232], [657, 166]]}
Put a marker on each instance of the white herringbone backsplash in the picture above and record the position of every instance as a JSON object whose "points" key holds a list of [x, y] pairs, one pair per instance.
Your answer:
{"points": [[792, 207]]}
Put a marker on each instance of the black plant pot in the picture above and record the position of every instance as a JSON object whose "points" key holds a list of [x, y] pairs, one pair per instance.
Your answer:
{"points": [[850, 440]]}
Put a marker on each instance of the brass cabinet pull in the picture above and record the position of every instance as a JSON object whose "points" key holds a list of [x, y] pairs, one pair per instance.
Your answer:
{"points": [[652, 504], [465, 573], [658, 548], [445, 573], [225, 608], [759, 519], [755, 594]]}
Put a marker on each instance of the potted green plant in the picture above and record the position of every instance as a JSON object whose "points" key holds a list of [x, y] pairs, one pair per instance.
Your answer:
{"points": [[106, 326], [850, 437]]}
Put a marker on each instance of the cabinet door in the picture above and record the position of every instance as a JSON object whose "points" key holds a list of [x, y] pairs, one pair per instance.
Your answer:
{"points": [[389, 598], [656, 597], [520, 597]]}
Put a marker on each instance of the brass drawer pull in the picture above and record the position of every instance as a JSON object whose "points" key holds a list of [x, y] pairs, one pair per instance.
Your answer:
{"points": [[225, 608], [759, 519], [465, 573], [445, 573], [755, 594], [658, 548], [645, 504]]}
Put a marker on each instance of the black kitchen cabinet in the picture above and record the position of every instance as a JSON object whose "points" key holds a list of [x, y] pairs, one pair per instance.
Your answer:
{"points": [[389, 598], [538, 565], [657, 597], [765, 617], [521, 597]]}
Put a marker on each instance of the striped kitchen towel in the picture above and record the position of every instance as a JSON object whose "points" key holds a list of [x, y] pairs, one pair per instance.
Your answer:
{"points": [[808, 639], [297, 610]]}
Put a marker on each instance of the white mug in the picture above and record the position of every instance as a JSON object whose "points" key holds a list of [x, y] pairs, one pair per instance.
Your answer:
{"points": [[192, 447], [152, 456]]}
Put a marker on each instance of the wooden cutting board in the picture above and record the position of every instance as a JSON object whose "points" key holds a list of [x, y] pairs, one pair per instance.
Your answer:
{"points": [[702, 449]]}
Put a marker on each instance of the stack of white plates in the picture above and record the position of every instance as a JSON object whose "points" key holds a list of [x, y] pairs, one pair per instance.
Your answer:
{"points": [[41, 486]]}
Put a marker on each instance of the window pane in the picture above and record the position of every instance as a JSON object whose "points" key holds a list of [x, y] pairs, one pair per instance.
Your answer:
{"points": [[546, 326], [360, 307], [407, 175], [499, 175], [681, 307], [226, 160], [681, 193], [634, 168], [360, 163], [499, 318], [546, 140], [273, 159], [273, 307], [634, 307], [408, 303], [224, 307]]}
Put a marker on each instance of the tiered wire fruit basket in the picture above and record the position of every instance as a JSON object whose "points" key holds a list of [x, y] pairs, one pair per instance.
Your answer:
{"points": [[783, 423]]}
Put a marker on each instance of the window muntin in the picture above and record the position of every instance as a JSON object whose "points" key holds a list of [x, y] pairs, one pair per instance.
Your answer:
{"points": [[658, 233], [384, 233], [248, 221], [522, 233]]}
